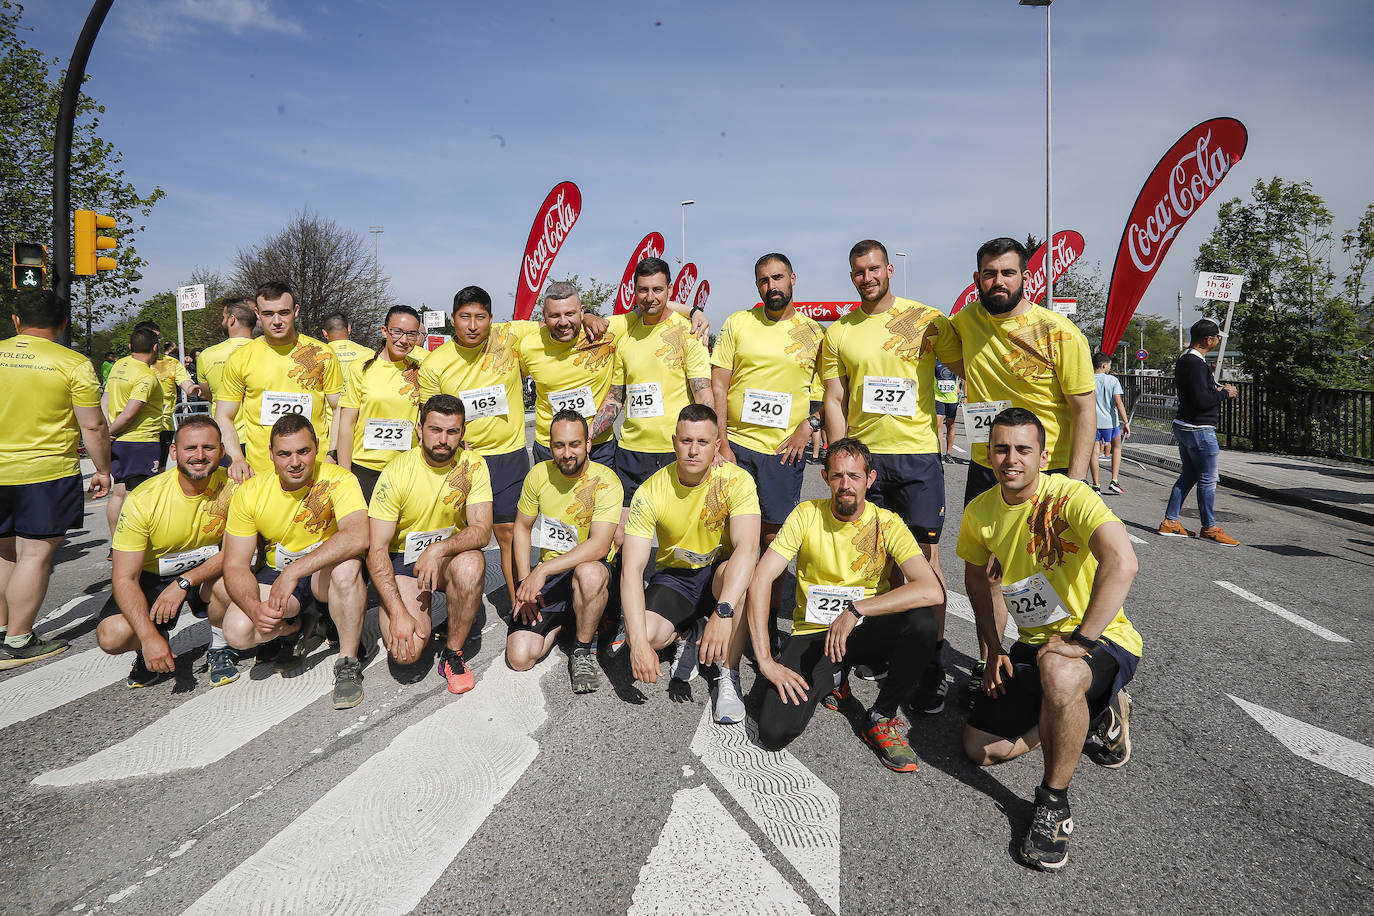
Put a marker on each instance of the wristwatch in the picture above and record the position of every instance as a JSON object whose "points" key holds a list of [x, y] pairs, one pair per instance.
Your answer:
{"points": [[184, 583], [814, 421], [1078, 637], [724, 611], [851, 608], [694, 309]]}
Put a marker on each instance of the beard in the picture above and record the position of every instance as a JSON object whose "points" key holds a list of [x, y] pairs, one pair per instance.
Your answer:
{"points": [[776, 301], [575, 470], [1013, 300], [197, 475], [439, 454]]}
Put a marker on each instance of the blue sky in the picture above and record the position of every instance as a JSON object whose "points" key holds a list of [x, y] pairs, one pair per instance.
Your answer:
{"points": [[800, 127]]}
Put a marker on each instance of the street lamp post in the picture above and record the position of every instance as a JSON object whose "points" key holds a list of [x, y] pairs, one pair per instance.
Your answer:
{"points": [[1049, 171], [902, 255], [685, 204], [376, 268]]}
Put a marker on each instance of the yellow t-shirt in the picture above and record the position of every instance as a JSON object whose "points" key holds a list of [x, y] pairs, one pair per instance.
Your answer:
{"points": [[267, 381], [486, 379], [297, 519], [654, 363], [348, 353], [171, 374], [421, 498], [210, 367], [42, 381], [774, 378], [886, 359], [573, 503], [1046, 537], [1035, 361], [160, 520], [690, 522], [134, 380], [386, 390], [577, 374], [835, 554]]}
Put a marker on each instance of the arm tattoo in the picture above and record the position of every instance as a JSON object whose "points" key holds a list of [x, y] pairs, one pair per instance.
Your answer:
{"points": [[610, 409], [698, 386]]}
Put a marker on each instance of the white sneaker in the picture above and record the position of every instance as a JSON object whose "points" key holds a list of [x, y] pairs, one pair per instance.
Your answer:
{"points": [[729, 708]]}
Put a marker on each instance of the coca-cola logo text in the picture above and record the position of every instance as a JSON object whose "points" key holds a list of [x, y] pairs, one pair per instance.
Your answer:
{"points": [[1191, 181], [651, 246], [558, 220]]}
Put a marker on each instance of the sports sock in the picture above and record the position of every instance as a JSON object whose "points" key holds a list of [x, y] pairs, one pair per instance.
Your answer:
{"points": [[583, 648], [217, 640], [17, 642], [1059, 798]]}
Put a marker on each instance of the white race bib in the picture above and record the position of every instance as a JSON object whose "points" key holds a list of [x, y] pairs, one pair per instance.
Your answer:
{"points": [[826, 602], [696, 559], [978, 418], [277, 404], [947, 386], [645, 400], [389, 435], [282, 558], [766, 408], [484, 402], [555, 535], [578, 399], [417, 541], [884, 394], [174, 564], [1034, 602]]}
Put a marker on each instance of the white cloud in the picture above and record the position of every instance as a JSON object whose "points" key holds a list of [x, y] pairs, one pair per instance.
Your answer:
{"points": [[163, 21]]}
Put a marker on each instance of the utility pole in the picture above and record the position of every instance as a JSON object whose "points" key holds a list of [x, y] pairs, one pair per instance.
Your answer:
{"points": [[1180, 321], [376, 269]]}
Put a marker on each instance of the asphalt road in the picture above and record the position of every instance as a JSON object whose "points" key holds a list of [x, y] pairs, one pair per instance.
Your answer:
{"points": [[519, 797]]}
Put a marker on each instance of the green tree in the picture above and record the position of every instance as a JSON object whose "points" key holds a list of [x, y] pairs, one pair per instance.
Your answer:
{"points": [[1358, 244], [29, 99]]}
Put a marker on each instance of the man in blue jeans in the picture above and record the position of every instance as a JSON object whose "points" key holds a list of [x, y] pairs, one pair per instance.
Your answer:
{"points": [[1195, 431]]}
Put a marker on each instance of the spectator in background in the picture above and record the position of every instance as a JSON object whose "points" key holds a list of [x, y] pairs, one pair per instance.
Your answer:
{"points": [[106, 366], [1112, 426]]}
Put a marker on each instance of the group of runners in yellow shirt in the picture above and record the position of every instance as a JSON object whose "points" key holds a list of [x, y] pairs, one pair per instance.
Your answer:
{"points": [[326, 465]]}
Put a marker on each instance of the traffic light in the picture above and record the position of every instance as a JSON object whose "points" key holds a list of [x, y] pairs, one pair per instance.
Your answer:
{"points": [[30, 266], [88, 243]]}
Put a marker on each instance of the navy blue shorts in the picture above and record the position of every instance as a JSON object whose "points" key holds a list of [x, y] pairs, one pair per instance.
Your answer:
{"points": [[267, 575], [679, 595], [508, 473], [152, 585], [949, 411], [131, 463], [41, 510], [602, 454], [981, 479], [558, 599], [779, 485], [913, 486], [633, 468], [400, 567], [1017, 710]]}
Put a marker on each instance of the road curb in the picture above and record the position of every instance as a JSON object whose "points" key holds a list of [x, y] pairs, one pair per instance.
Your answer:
{"points": [[1349, 513]]}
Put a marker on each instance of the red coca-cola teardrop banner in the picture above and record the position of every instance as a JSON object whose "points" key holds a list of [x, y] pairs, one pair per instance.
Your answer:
{"points": [[651, 246], [551, 226], [703, 292], [1068, 247], [682, 286], [1184, 178]]}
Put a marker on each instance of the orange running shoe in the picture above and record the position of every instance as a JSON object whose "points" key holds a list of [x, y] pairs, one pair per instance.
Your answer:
{"points": [[1170, 528], [839, 696], [885, 737], [1218, 536], [455, 670]]}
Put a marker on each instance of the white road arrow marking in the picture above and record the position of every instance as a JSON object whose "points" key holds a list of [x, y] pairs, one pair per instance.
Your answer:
{"points": [[1134, 539], [1288, 615], [1324, 748]]}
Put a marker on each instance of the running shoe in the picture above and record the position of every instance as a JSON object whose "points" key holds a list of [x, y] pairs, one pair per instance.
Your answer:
{"points": [[1047, 843], [930, 694], [223, 666], [869, 672], [729, 706], [296, 646], [885, 737], [141, 676], [582, 671], [975, 685], [1115, 487], [348, 682], [839, 696], [1217, 536], [34, 650], [454, 669], [688, 648], [1112, 745], [1171, 528]]}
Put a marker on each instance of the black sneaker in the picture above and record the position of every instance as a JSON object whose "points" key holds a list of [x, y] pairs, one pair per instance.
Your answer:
{"points": [[869, 672], [34, 650], [1047, 843], [296, 646], [141, 676], [1110, 746], [974, 689], [930, 694]]}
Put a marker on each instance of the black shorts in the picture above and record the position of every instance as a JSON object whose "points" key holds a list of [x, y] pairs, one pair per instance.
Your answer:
{"points": [[948, 411], [508, 473], [602, 454], [131, 463], [680, 595], [913, 486], [558, 603], [367, 479], [152, 585], [41, 510], [1017, 710], [303, 594], [164, 439], [633, 468], [981, 479], [779, 485]]}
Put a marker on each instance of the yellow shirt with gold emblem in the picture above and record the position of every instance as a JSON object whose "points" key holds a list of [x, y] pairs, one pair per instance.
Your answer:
{"points": [[385, 390], [259, 371], [691, 522], [38, 431], [1035, 361], [171, 374], [1047, 535], [160, 520], [829, 552], [577, 374], [654, 363], [294, 519], [888, 363], [133, 380], [772, 365], [576, 502], [420, 497], [486, 378], [210, 367]]}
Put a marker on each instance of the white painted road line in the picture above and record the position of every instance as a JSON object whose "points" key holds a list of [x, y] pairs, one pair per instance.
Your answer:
{"points": [[789, 803], [706, 864], [959, 606], [1324, 748], [396, 822], [74, 675], [1134, 539], [1288, 615], [207, 727]]}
